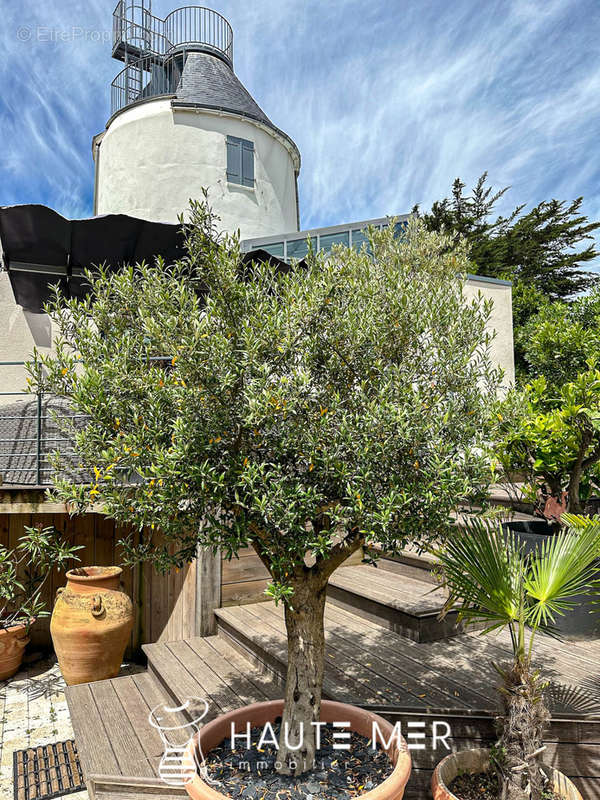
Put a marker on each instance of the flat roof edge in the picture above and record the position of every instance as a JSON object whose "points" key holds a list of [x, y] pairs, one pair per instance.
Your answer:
{"points": [[486, 279]]}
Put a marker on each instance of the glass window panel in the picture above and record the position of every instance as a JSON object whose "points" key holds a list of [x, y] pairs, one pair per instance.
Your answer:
{"points": [[359, 238], [327, 240], [400, 227], [275, 249], [297, 248]]}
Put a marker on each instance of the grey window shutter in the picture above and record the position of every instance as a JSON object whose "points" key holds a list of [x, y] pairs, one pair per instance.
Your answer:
{"points": [[247, 163], [234, 159]]}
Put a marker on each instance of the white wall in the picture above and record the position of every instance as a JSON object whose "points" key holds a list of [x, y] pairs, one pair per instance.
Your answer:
{"points": [[502, 349], [154, 157], [20, 331]]}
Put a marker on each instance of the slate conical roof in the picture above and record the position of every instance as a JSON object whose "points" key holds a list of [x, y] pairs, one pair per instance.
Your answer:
{"points": [[209, 82]]}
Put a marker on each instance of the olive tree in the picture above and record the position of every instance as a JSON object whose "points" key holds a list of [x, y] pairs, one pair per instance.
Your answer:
{"points": [[305, 412]]}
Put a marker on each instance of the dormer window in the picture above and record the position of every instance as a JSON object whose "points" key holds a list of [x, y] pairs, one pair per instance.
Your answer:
{"points": [[240, 161]]}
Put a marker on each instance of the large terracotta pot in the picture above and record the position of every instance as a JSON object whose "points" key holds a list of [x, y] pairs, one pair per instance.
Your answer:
{"points": [[259, 714], [478, 760], [91, 624], [13, 642]]}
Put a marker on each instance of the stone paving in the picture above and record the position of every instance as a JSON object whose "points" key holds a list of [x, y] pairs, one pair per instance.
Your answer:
{"points": [[33, 711]]}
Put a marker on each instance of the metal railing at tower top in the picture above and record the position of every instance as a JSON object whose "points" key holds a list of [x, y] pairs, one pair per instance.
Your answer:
{"points": [[137, 33], [155, 50]]}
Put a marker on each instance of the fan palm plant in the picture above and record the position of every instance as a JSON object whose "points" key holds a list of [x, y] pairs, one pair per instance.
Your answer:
{"points": [[492, 580]]}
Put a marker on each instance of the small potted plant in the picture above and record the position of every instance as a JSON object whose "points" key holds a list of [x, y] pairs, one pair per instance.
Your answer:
{"points": [[24, 571], [550, 438], [492, 579]]}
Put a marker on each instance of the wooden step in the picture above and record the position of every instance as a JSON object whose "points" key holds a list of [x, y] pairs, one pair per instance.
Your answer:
{"points": [[406, 681], [398, 602], [210, 668], [409, 562], [364, 663], [118, 748]]}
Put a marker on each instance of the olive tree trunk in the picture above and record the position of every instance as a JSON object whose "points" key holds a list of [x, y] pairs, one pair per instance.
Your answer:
{"points": [[304, 620]]}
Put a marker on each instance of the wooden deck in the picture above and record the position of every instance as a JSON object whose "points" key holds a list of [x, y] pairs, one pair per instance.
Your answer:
{"points": [[367, 664], [374, 594], [120, 751]]}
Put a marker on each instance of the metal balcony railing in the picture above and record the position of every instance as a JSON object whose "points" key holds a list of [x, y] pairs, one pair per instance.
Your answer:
{"points": [[29, 433], [154, 50], [32, 427]]}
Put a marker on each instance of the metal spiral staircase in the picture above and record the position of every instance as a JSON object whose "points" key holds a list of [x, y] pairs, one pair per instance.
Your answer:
{"points": [[155, 50]]}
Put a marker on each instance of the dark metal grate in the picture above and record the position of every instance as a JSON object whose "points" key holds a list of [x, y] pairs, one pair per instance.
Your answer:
{"points": [[41, 773]]}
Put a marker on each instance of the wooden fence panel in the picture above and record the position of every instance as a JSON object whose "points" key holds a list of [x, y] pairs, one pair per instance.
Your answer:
{"points": [[245, 578]]}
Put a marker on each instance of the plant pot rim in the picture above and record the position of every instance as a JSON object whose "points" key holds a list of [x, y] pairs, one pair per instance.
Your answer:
{"points": [[213, 733], [562, 785], [92, 574], [16, 627]]}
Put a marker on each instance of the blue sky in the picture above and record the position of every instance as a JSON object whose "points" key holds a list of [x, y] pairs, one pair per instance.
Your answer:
{"points": [[388, 101]]}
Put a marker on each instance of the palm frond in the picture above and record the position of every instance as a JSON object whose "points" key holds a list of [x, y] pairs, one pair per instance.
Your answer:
{"points": [[483, 570], [563, 567]]}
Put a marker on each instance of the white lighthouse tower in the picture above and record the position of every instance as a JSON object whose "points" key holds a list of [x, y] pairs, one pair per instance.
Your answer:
{"points": [[181, 120]]}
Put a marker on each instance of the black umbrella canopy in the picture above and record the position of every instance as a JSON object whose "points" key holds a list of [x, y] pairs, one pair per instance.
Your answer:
{"points": [[41, 248]]}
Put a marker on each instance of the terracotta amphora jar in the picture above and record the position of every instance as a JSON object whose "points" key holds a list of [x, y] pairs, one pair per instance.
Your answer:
{"points": [[91, 624], [13, 642]]}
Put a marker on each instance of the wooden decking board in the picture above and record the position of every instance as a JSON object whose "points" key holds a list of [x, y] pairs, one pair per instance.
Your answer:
{"points": [[401, 593], [119, 750], [558, 660], [171, 673], [574, 684], [397, 647], [348, 625], [396, 687], [467, 658], [123, 794], [124, 741], [264, 683], [406, 603], [214, 689], [245, 691], [366, 664], [459, 669], [390, 683], [93, 745], [133, 787], [223, 677], [372, 577], [135, 705], [337, 683], [567, 653]]}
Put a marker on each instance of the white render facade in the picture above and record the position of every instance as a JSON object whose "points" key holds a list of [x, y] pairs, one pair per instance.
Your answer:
{"points": [[155, 156]]}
